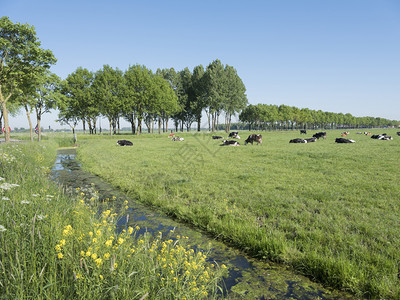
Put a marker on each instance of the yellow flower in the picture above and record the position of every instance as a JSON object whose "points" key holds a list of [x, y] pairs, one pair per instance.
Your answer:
{"points": [[88, 253], [98, 232], [58, 248], [94, 240], [126, 207], [101, 277], [137, 227], [82, 253], [106, 213], [91, 234], [99, 262], [107, 255], [60, 255], [223, 266], [62, 242], [108, 243], [120, 241], [79, 276], [130, 230], [126, 202], [94, 256]]}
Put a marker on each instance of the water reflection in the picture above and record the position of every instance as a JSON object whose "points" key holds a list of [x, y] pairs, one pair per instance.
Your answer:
{"points": [[248, 278]]}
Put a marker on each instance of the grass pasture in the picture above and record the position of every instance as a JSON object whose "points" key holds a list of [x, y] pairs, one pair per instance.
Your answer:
{"points": [[330, 211]]}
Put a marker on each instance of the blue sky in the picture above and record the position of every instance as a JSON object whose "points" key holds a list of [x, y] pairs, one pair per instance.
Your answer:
{"points": [[337, 56]]}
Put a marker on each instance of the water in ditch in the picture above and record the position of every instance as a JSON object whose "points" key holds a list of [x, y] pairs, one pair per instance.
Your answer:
{"points": [[247, 279]]}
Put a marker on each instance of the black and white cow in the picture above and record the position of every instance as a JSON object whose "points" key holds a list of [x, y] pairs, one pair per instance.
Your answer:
{"points": [[230, 143], [177, 139], [254, 138], [234, 135], [311, 140], [297, 141], [319, 135], [344, 141], [217, 137], [302, 131], [398, 133], [382, 136], [124, 143]]}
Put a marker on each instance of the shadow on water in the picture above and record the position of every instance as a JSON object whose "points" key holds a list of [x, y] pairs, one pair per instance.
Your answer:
{"points": [[247, 279]]}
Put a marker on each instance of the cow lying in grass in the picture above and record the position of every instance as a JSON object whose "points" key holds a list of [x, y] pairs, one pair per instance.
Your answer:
{"points": [[124, 143], [177, 139], [344, 141], [382, 136], [254, 138], [319, 135], [234, 135], [304, 141], [230, 143], [217, 137]]}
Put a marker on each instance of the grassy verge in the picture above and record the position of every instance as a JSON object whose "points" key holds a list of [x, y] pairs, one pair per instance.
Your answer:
{"points": [[55, 245], [328, 210]]}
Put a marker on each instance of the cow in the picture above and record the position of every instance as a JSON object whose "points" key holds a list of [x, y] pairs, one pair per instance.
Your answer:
{"points": [[398, 133], [382, 136], [311, 140], [344, 141], [230, 143], [254, 138], [367, 133], [303, 131], [345, 133], [217, 137], [177, 139], [296, 141], [234, 135], [124, 143], [319, 135]]}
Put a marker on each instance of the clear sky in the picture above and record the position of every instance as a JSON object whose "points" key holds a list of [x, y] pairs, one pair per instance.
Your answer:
{"points": [[337, 56]]}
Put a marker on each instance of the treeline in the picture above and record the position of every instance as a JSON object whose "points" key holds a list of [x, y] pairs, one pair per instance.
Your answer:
{"points": [[137, 94], [140, 96], [269, 117]]}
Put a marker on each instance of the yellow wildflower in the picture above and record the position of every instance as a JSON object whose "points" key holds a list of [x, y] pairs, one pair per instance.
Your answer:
{"points": [[108, 243], [82, 253], [60, 255], [91, 234], [98, 232], [130, 230], [98, 262], [94, 240], [106, 255], [101, 277], [88, 253], [94, 256], [120, 241], [62, 242], [58, 248]]}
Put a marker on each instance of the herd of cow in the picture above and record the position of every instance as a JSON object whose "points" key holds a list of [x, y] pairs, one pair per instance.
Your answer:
{"points": [[258, 138]]}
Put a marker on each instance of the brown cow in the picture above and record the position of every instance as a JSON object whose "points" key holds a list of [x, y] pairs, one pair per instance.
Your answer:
{"points": [[254, 138]]}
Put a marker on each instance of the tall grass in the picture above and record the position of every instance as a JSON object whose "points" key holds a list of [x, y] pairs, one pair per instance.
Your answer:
{"points": [[328, 210], [56, 245]]}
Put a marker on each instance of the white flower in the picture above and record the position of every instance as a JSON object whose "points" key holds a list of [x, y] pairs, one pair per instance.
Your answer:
{"points": [[5, 198], [41, 217], [25, 202], [1, 178], [49, 196], [2, 228], [7, 186], [35, 195]]}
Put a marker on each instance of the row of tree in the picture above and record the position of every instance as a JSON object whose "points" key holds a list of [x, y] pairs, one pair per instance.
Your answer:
{"points": [[263, 116], [138, 95]]}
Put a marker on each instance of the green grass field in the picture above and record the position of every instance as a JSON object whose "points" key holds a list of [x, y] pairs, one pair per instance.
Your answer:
{"points": [[330, 211]]}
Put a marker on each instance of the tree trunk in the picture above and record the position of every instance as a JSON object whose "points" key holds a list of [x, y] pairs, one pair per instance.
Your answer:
{"points": [[29, 121], [5, 116], [159, 125], [110, 121]]}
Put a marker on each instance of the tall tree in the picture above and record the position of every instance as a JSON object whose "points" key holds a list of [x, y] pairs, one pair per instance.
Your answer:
{"points": [[20, 58]]}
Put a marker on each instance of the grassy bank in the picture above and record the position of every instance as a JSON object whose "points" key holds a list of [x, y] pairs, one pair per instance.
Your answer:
{"points": [[57, 245], [328, 210]]}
